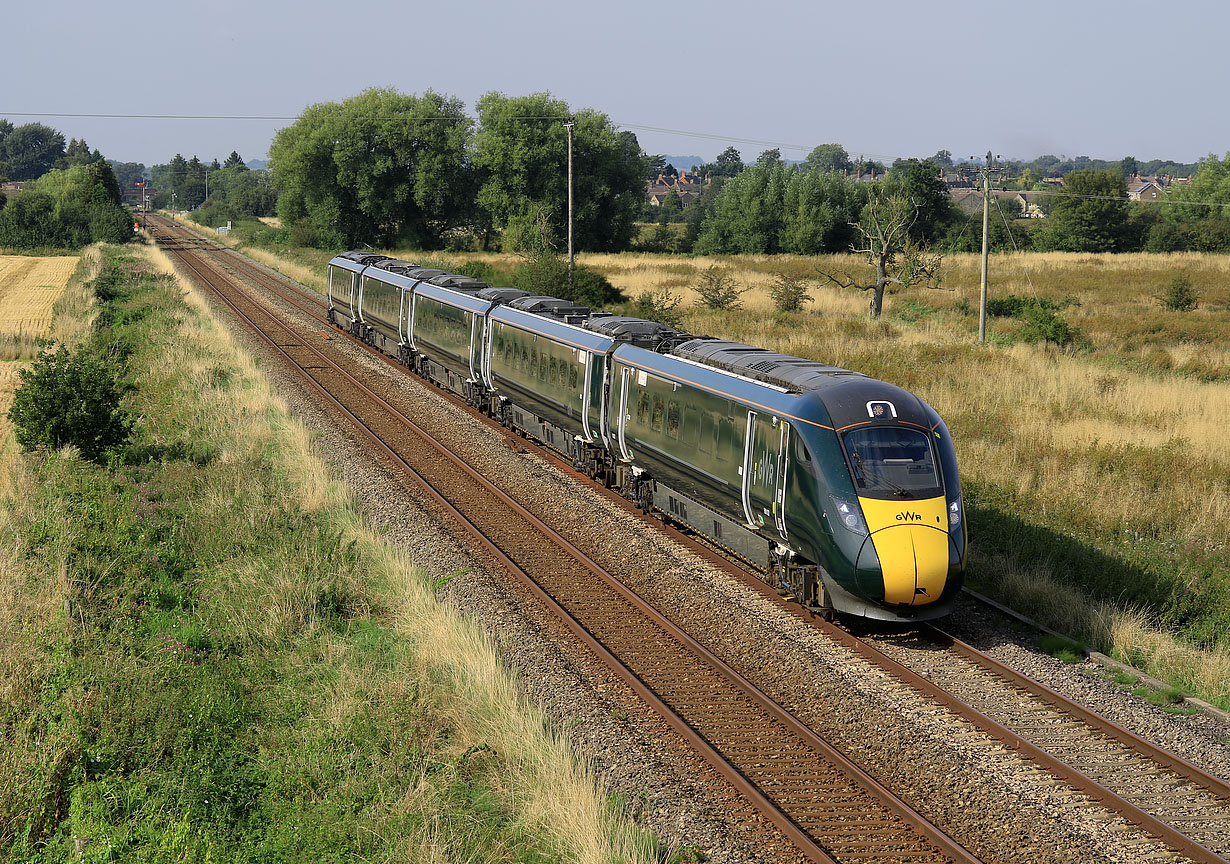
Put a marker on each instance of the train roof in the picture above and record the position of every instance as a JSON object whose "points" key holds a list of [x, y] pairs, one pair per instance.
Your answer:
{"points": [[638, 331], [551, 327], [541, 304], [783, 370]]}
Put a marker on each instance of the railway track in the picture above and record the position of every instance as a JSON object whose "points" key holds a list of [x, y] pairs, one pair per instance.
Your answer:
{"points": [[1184, 807], [824, 804]]}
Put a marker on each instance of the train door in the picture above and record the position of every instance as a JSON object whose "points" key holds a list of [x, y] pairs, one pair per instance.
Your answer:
{"points": [[356, 301], [765, 449], [476, 344], [404, 301], [624, 380]]}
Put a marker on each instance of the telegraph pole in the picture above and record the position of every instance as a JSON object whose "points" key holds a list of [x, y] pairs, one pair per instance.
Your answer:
{"points": [[986, 222], [568, 125]]}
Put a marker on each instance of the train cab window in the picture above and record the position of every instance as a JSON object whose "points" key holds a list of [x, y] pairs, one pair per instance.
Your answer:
{"points": [[672, 419], [642, 409], [892, 460], [655, 422], [803, 456]]}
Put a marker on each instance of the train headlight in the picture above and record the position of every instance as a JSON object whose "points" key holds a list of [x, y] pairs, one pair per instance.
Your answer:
{"points": [[850, 516], [954, 515]]}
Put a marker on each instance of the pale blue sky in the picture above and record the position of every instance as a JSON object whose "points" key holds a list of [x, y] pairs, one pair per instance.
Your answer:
{"points": [[885, 79]]}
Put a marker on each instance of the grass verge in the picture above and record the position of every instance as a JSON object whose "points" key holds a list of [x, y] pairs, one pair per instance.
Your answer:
{"points": [[205, 654]]}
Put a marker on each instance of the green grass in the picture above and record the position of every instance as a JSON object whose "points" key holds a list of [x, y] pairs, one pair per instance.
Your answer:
{"points": [[209, 670], [1062, 649]]}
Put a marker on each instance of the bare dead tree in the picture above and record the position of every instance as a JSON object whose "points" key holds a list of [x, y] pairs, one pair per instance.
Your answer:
{"points": [[898, 260]]}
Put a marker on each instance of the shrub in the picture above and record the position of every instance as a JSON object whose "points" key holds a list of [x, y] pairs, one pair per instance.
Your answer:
{"points": [[549, 275], [718, 289], [1046, 324], [661, 305], [69, 398], [789, 293], [1180, 295]]}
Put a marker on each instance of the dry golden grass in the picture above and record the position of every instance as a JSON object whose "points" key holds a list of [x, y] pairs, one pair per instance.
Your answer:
{"points": [[29, 289]]}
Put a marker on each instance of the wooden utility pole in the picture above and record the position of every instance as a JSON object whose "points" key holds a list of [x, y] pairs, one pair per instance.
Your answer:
{"points": [[986, 223], [569, 126]]}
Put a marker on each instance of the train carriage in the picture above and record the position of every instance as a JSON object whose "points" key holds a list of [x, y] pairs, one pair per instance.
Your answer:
{"points": [[446, 335], [551, 373]]}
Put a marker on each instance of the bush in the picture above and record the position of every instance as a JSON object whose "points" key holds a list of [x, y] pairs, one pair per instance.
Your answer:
{"points": [[549, 275], [1046, 324], [1180, 295], [661, 305], [789, 293], [718, 289], [69, 398]]}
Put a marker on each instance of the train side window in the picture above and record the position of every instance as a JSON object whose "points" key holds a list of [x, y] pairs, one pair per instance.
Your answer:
{"points": [[534, 361], [642, 408], [726, 439], [708, 432], [553, 372], [672, 419], [689, 434], [658, 409], [542, 366], [573, 376]]}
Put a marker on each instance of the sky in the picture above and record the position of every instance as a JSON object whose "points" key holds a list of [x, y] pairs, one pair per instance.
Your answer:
{"points": [[883, 78]]}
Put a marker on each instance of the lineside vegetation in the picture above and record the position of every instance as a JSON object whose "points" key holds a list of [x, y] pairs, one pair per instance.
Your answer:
{"points": [[1096, 470], [206, 655]]}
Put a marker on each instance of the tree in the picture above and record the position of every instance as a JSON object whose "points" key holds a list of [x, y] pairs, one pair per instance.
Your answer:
{"points": [[1089, 215], [886, 242], [672, 207], [77, 153], [942, 158], [32, 150], [1129, 166], [769, 157], [379, 168], [729, 163], [234, 160], [521, 154], [829, 157], [920, 182]]}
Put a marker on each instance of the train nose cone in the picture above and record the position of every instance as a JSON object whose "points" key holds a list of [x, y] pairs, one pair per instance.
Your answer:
{"points": [[911, 542]]}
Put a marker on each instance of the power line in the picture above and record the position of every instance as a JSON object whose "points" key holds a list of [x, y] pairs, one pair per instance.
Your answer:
{"points": [[713, 136]]}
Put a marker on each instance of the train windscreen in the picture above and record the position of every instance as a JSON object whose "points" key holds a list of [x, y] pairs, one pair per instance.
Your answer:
{"points": [[888, 461]]}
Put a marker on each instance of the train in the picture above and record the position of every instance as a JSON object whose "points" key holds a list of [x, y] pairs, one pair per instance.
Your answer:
{"points": [[841, 490]]}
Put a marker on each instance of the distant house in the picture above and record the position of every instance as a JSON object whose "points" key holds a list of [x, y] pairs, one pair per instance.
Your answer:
{"points": [[1015, 205], [11, 189], [689, 187], [1149, 190]]}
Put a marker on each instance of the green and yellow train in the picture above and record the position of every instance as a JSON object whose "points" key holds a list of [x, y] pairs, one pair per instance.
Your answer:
{"points": [[841, 489]]}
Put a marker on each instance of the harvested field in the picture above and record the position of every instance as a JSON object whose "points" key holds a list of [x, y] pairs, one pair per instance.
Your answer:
{"points": [[29, 288]]}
